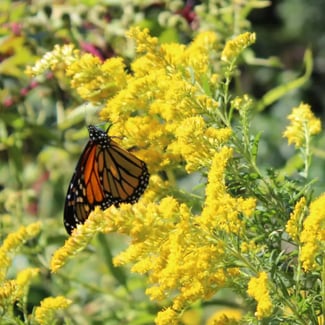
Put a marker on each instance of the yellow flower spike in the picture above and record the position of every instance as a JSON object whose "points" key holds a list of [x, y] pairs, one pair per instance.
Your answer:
{"points": [[87, 66], [80, 238], [167, 317], [258, 289], [5, 263], [235, 46], [190, 60], [198, 53], [145, 42], [249, 247], [204, 42], [303, 124], [45, 313], [206, 103], [23, 280], [96, 81], [18, 238], [221, 211], [135, 97], [293, 225], [15, 290], [192, 134], [167, 243], [246, 206], [8, 292], [313, 235], [173, 55], [12, 244], [242, 103], [141, 130]]}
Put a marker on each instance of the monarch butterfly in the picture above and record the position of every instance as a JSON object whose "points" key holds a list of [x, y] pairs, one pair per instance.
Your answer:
{"points": [[106, 174]]}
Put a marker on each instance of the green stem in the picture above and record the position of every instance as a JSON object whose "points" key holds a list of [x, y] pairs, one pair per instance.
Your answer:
{"points": [[117, 272], [306, 152]]}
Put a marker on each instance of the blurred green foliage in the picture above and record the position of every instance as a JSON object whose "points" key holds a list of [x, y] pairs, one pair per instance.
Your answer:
{"points": [[42, 122]]}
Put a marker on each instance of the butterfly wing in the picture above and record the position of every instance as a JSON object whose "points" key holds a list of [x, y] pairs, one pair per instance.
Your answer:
{"points": [[106, 174], [124, 176], [77, 204]]}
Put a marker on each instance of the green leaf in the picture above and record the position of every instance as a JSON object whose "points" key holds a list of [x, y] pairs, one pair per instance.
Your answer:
{"points": [[280, 91]]}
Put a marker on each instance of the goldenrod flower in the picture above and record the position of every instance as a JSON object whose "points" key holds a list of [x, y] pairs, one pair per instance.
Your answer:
{"points": [[15, 290], [303, 125], [45, 313], [179, 256], [145, 42], [162, 95], [192, 134], [96, 81], [12, 244], [221, 211], [79, 239], [18, 238], [248, 247], [8, 292], [235, 46], [23, 280], [167, 317], [313, 235], [293, 226], [258, 289], [242, 103], [206, 44]]}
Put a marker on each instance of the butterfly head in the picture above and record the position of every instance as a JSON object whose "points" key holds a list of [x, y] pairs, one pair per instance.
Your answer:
{"points": [[97, 135]]}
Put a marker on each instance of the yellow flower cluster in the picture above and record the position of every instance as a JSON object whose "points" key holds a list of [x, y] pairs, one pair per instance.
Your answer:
{"points": [[182, 259], [162, 96], [99, 221], [79, 239], [12, 244], [293, 226], [313, 235], [157, 105], [221, 211], [165, 110], [45, 313], [303, 125], [15, 290], [23, 280], [192, 134], [96, 81], [177, 249], [258, 289], [234, 47], [145, 42]]}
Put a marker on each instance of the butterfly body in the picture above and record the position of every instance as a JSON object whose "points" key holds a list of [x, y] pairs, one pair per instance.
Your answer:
{"points": [[105, 175]]}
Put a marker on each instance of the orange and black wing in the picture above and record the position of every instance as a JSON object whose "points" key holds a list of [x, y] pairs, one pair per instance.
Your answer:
{"points": [[106, 174], [124, 176]]}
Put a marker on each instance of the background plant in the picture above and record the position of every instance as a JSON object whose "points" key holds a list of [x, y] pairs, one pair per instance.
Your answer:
{"points": [[216, 101]]}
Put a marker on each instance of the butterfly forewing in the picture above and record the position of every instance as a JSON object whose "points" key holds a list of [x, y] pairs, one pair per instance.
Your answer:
{"points": [[106, 174]]}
